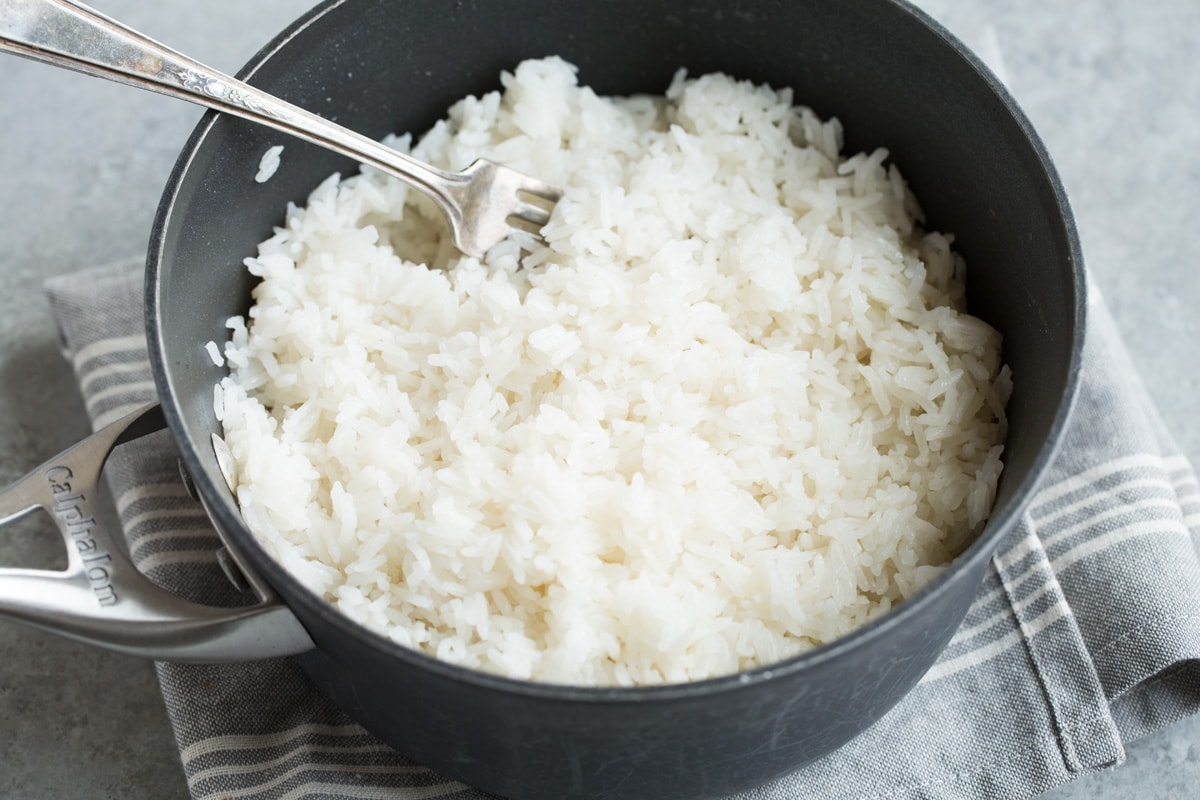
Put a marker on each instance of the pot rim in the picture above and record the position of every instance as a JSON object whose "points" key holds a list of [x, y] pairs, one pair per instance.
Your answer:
{"points": [[220, 504]]}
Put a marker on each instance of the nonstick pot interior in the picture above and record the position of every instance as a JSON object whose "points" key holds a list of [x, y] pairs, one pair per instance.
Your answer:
{"points": [[894, 80]]}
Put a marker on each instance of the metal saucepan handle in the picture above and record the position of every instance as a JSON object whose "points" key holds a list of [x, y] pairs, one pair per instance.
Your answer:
{"points": [[101, 598]]}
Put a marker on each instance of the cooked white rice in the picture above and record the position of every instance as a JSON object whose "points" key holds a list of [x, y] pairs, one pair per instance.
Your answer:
{"points": [[733, 410], [268, 165]]}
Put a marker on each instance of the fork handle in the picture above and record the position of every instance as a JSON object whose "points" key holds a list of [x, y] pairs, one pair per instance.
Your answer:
{"points": [[68, 34]]}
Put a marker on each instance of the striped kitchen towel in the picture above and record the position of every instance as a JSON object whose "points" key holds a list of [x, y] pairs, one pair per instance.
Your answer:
{"points": [[1084, 635]]}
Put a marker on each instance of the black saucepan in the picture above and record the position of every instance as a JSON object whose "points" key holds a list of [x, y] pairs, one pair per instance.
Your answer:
{"points": [[895, 79]]}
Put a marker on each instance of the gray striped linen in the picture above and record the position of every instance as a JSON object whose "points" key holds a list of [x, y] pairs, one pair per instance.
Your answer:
{"points": [[1084, 635]]}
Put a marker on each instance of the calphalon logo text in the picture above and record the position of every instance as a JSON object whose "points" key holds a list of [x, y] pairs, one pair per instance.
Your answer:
{"points": [[73, 509]]}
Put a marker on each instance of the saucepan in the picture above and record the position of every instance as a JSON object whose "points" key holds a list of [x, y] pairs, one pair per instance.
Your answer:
{"points": [[891, 75]]}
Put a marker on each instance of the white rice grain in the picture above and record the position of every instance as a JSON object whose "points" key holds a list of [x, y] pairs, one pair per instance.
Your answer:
{"points": [[731, 409], [269, 164], [214, 353]]}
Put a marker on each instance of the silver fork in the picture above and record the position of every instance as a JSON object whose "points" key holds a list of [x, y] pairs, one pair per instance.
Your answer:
{"points": [[483, 203]]}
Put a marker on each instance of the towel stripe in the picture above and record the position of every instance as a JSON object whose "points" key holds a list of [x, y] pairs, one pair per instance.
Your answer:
{"points": [[298, 751], [1110, 494], [1108, 539], [105, 347], [117, 412], [172, 557], [174, 541], [103, 371], [192, 512], [1095, 523], [952, 666], [143, 388], [1088, 477], [344, 791], [410, 793], [216, 744], [962, 634], [173, 491]]}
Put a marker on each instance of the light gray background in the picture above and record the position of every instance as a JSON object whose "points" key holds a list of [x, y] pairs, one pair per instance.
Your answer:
{"points": [[1113, 87]]}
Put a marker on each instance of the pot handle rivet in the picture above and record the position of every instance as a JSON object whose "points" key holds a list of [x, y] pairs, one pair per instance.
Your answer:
{"points": [[231, 570], [186, 477]]}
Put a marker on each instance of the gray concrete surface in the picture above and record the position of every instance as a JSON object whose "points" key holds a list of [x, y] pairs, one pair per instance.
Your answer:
{"points": [[1113, 87]]}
